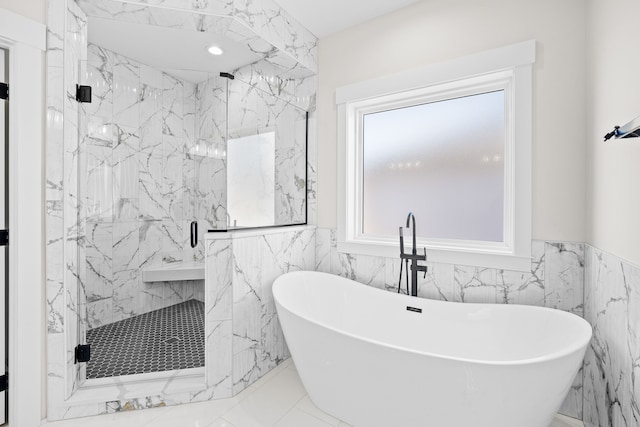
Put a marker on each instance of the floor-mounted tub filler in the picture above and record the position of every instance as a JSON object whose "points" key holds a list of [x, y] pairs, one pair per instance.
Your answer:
{"points": [[374, 358]]}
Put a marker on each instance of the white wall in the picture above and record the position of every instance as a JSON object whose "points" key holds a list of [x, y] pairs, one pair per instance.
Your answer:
{"points": [[35, 10], [32, 9], [435, 30], [613, 208]]}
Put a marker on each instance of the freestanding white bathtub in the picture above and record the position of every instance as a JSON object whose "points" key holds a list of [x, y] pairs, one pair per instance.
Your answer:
{"points": [[371, 358]]}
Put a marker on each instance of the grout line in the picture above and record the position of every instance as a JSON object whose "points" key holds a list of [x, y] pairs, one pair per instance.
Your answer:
{"points": [[312, 415], [269, 376], [289, 410]]}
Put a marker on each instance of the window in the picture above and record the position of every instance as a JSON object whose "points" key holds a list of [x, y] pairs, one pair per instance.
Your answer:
{"points": [[450, 143]]}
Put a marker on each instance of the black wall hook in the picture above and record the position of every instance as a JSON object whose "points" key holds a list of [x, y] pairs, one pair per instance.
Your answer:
{"points": [[611, 134]]}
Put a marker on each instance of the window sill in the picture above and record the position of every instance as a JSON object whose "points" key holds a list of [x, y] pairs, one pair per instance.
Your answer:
{"points": [[461, 257]]}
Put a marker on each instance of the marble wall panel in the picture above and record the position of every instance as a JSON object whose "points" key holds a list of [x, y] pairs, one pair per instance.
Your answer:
{"points": [[516, 287], [56, 10], [263, 24], [247, 310], [475, 284], [211, 189], [75, 52], [564, 290], [312, 172], [564, 276], [56, 313], [258, 341], [151, 175], [126, 171], [612, 306], [323, 250]]}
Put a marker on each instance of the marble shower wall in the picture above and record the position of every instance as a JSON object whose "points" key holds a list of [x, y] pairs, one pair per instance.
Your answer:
{"points": [[259, 100], [141, 186], [261, 103], [268, 30], [208, 192], [612, 363], [555, 280], [243, 310], [75, 51]]}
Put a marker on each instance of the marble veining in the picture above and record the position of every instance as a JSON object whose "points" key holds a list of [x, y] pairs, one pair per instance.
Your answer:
{"points": [[266, 28], [258, 342], [137, 145], [612, 306], [134, 203]]}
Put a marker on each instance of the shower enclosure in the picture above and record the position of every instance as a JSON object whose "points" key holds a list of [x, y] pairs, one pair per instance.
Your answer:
{"points": [[166, 142], [157, 150]]}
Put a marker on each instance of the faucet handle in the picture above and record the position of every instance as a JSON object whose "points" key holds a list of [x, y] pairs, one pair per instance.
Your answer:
{"points": [[425, 267]]}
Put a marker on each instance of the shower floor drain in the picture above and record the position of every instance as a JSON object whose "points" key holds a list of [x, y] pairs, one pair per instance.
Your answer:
{"points": [[162, 340]]}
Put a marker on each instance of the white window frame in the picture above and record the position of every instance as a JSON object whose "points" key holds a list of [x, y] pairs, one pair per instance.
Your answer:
{"points": [[508, 68]]}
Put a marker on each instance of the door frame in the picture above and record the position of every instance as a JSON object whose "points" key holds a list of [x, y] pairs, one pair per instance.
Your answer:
{"points": [[25, 40]]}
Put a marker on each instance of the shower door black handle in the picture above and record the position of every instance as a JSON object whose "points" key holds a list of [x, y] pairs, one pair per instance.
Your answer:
{"points": [[194, 234]]}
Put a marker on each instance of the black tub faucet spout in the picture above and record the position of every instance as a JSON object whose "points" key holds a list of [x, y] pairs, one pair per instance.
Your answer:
{"points": [[413, 257]]}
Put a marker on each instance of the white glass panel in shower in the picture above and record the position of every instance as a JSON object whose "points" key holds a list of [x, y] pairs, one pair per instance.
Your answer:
{"points": [[251, 179], [443, 161]]}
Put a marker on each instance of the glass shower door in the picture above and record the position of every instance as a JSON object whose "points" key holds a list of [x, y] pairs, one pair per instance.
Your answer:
{"points": [[139, 168]]}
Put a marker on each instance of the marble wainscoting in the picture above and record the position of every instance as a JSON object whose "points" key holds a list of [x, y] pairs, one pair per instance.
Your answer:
{"points": [[240, 270], [555, 280], [612, 363]]}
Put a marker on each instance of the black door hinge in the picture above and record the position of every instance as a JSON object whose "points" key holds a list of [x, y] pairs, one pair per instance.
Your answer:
{"points": [[4, 383], [83, 353], [83, 93], [4, 237], [4, 91]]}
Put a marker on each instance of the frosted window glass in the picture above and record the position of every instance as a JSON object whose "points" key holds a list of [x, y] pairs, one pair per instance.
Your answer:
{"points": [[443, 161], [250, 180]]}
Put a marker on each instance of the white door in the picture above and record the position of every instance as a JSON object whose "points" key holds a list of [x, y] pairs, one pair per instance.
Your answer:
{"points": [[4, 139]]}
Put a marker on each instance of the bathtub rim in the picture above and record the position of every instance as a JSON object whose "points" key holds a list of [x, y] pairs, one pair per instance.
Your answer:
{"points": [[575, 347]]}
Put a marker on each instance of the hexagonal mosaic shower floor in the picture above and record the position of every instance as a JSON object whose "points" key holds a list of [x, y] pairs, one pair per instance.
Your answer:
{"points": [[162, 340]]}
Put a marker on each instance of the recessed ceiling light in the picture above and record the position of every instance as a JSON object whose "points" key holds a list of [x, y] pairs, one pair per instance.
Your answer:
{"points": [[214, 50]]}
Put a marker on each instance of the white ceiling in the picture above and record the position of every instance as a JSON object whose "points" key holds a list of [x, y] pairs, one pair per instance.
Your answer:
{"points": [[326, 17], [181, 53]]}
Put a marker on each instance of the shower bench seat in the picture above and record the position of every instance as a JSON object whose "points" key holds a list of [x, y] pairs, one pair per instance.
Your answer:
{"points": [[175, 272]]}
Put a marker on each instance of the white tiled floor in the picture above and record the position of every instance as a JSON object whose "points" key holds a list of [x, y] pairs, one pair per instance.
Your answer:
{"points": [[276, 400]]}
